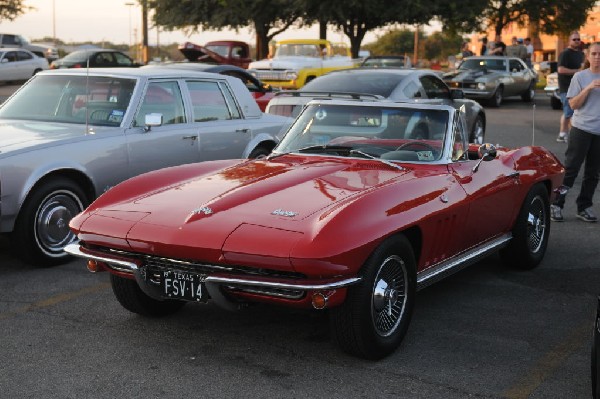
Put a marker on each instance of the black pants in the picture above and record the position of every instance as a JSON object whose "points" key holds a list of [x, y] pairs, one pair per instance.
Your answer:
{"points": [[582, 146]]}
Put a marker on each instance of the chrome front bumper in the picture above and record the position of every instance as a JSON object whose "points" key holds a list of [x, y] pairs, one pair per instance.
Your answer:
{"points": [[139, 273]]}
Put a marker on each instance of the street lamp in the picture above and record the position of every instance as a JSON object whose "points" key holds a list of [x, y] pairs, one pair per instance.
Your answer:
{"points": [[129, 4]]}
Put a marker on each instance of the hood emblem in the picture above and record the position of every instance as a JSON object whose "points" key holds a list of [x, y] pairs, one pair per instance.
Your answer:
{"points": [[281, 212], [204, 210]]}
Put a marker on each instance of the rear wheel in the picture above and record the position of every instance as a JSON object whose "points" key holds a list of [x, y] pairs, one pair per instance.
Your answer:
{"points": [[497, 98], [373, 320], [42, 227], [530, 233], [132, 298], [529, 94], [259, 152]]}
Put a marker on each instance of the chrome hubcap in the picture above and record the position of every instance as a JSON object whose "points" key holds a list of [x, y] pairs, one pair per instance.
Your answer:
{"points": [[536, 225], [389, 296], [52, 222]]}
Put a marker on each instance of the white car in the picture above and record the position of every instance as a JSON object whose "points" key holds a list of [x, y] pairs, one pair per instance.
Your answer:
{"points": [[17, 64], [551, 90]]}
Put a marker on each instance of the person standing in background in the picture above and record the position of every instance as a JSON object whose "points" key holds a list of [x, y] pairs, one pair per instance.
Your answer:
{"points": [[484, 46], [570, 61], [517, 49], [499, 47], [584, 139], [529, 47], [465, 52]]}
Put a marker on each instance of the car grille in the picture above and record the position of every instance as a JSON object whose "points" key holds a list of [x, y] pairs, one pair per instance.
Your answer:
{"points": [[463, 85], [193, 266], [270, 74]]}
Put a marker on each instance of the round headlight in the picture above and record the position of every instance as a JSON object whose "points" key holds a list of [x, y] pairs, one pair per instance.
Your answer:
{"points": [[481, 86], [291, 75]]}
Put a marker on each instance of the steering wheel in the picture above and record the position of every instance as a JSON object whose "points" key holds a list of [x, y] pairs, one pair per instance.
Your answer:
{"points": [[417, 143]]}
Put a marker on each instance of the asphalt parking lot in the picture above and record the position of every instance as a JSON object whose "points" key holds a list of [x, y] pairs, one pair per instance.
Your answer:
{"points": [[486, 332]]}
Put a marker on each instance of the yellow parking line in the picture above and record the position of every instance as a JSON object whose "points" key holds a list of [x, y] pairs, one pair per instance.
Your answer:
{"points": [[53, 300], [548, 364]]}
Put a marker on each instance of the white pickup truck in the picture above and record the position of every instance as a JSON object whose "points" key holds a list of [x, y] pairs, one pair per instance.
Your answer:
{"points": [[297, 62]]}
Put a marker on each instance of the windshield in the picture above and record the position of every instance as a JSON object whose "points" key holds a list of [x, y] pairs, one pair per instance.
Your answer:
{"points": [[496, 64], [384, 62], [388, 133], [71, 99], [303, 50], [380, 83], [222, 50]]}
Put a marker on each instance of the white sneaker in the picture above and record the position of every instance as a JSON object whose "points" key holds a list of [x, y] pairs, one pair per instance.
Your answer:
{"points": [[562, 138]]}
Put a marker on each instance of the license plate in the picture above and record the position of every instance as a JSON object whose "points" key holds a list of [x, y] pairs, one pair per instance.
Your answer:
{"points": [[185, 286]]}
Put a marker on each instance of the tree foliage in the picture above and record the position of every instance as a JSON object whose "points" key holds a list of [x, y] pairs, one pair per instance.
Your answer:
{"points": [[11, 9], [552, 16], [357, 17], [268, 18]]}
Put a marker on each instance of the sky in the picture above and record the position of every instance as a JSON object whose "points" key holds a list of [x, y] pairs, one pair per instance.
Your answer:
{"points": [[114, 21]]}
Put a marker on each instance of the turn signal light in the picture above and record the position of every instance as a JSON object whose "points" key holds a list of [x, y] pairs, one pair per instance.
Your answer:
{"points": [[93, 266], [320, 299]]}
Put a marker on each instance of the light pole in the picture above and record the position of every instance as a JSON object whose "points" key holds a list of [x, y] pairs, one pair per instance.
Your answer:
{"points": [[54, 22], [129, 4]]}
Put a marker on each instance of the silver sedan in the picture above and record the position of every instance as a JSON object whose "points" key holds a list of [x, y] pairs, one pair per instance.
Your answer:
{"points": [[69, 135]]}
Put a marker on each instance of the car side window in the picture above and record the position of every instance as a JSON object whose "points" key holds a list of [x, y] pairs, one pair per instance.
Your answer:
{"points": [[515, 66], [11, 56], [210, 103], [24, 56], [162, 98], [434, 88], [459, 144], [412, 90], [123, 60], [104, 59], [10, 40]]}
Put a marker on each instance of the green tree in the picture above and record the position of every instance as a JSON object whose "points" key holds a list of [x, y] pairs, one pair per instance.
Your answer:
{"points": [[268, 18], [357, 17], [395, 42], [11, 9]]}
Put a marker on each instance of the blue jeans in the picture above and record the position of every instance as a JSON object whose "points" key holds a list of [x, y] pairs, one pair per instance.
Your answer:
{"points": [[582, 147], [567, 110]]}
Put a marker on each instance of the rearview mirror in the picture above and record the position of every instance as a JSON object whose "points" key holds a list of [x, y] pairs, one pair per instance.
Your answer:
{"points": [[486, 152], [152, 120]]}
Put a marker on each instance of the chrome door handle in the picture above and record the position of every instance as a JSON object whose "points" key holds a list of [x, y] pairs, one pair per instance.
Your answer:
{"points": [[190, 137], [245, 130]]}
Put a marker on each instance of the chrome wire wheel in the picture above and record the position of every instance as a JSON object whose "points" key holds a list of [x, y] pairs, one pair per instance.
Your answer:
{"points": [[536, 224], [389, 296], [52, 219]]}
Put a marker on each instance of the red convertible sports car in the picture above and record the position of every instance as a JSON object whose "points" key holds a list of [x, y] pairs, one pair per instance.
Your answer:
{"points": [[360, 205]]}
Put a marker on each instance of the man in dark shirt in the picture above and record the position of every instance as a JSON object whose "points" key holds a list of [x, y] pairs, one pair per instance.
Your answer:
{"points": [[570, 61], [499, 48]]}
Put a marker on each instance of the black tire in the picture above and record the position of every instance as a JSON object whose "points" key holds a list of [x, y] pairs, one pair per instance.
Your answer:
{"points": [[497, 98], [132, 298], [555, 103], [529, 94], [595, 354], [478, 131], [259, 152], [42, 227], [374, 318], [530, 232]]}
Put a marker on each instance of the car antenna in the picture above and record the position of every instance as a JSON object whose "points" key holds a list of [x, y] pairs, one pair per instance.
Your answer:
{"points": [[87, 94], [533, 126]]}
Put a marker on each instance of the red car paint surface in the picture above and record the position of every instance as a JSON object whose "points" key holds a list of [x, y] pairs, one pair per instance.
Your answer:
{"points": [[312, 218]]}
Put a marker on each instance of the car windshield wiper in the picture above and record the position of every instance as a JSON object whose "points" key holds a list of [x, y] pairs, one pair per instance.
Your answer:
{"points": [[314, 148], [385, 161]]}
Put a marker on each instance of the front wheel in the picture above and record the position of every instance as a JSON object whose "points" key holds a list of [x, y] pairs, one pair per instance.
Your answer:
{"points": [[132, 298], [373, 320], [259, 152], [42, 227], [530, 232], [478, 131], [497, 98]]}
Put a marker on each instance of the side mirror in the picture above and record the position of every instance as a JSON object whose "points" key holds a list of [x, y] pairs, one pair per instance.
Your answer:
{"points": [[152, 120], [486, 152]]}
